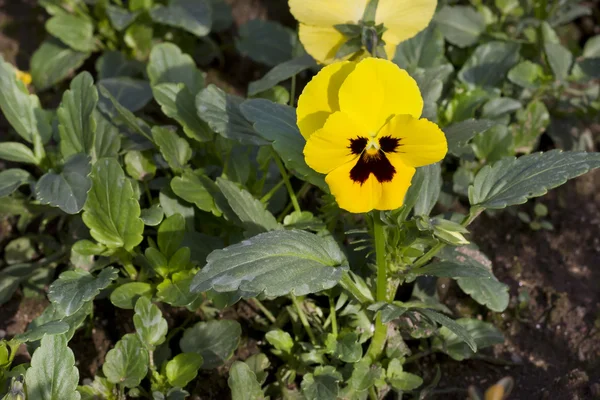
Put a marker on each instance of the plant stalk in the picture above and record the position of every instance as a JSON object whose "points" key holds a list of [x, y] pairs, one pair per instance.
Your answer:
{"points": [[334, 327], [286, 179], [380, 334], [264, 309], [303, 320]]}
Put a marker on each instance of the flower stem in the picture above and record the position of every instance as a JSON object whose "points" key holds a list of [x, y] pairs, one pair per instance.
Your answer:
{"points": [[380, 334], [334, 327], [286, 179], [424, 259], [293, 91], [264, 310], [270, 193], [303, 320]]}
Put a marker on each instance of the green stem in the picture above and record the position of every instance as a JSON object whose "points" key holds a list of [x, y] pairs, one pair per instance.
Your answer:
{"points": [[148, 194], [334, 327], [293, 91], [424, 259], [286, 180], [270, 193], [130, 269], [264, 310], [372, 393], [303, 320], [348, 285], [380, 334]]}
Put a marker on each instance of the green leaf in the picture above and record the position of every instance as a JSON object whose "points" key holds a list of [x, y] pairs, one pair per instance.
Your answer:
{"points": [[127, 363], [73, 289], [11, 179], [108, 138], [512, 180], [221, 15], [126, 295], [183, 368], [194, 189], [281, 340], [53, 314], [483, 333], [52, 375], [149, 323], [258, 364], [255, 218], [152, 216], [21, 109], [168, 64], [176, 291], [214, 340], [459, 134], [347, 348], [527, 74], [119, 17], [37, 332], [461, 25], [193, 16], [489, 64], [127, 117], [171, 204], [389, 311], [425, 50], [222, 113], [69, 189], [243, 383], [559, 57], [176, 150], [52, 62], [138, 36], [111, 212], [72, 30], [132, 94], [281, 73], [170, 234], [400, 379], [276, 263], [178, 102], [277, 124], [461, 333], [266, 42], [449, 269], [323, 384], [112, 64], [500, 107], [590, 67], [532, 123], [486, 291], [140, 165], [427, 190], [17, 152], [77, 125]]}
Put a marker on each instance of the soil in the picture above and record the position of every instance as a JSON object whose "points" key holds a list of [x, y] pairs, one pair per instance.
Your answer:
{"points": [[552, 346]]}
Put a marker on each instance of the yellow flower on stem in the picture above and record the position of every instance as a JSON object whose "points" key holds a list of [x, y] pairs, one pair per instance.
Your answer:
{"points": [[24, 77], [320, 22], [361, 121]]}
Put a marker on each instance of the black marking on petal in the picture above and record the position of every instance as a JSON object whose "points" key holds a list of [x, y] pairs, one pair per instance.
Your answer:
{"points": [[389, 144], [358, 144], [376, 164]]}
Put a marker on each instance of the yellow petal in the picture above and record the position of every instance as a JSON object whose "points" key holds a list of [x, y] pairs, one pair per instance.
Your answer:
{"points": [[320, 97], [327, 12], [321, 42], [390, 45], [328, 148], [393, 192], [24, 77], [404, 18], [421, 141], [377, 90], [350, 195]]}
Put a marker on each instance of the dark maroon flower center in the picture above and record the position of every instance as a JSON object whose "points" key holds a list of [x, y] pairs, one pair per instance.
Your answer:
{"points": [[375, 163]]}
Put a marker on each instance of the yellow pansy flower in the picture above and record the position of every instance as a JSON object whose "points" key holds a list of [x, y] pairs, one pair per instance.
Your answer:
{"points": [[24, 77], [361, 121], [401, 19]]}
